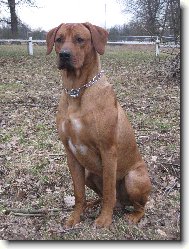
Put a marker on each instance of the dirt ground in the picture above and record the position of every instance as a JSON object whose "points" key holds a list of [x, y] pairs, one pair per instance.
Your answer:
{"points": [[36, 192]]}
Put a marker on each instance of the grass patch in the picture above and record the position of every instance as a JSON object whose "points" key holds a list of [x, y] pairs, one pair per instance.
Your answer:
{"points": [[33, 161], [10, 87]]}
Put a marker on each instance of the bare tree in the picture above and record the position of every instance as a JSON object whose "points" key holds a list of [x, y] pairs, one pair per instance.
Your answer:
{"points": [[153, 14], [11, 6], [175, 18], [13, 17]]}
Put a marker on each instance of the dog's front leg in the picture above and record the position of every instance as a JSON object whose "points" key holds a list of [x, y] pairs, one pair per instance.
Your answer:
{"points": [[78, 177], [109, 163]]}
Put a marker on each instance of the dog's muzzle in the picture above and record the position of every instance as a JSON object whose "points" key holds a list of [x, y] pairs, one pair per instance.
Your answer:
{"points": [[65, 59]]}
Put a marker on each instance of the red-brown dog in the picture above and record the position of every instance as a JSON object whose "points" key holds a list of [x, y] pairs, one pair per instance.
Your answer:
{"points": [[99, 141]]}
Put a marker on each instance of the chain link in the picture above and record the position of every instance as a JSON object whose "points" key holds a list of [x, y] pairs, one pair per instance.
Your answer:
{"points": [[74, 93]]}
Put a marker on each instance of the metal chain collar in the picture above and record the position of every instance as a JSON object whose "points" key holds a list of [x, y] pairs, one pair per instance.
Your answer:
{"points": [[74, 93]]}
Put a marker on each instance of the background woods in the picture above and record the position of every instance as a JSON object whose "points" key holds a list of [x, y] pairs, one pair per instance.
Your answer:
{"points": [[13, 22], [148, 17], [153, 17]]}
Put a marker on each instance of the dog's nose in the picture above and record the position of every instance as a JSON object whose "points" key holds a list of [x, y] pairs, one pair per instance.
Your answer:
{"points": [[65, 54]]}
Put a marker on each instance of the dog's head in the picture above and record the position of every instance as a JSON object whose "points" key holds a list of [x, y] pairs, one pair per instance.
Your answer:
{"points": [[74, 42]]}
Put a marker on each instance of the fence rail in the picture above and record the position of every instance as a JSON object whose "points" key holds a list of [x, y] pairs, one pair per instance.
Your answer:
{"points": [[156, 41]]}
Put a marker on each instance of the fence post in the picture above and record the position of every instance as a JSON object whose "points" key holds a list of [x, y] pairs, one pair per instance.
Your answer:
{"points": [[30, 46], [157, 46]]}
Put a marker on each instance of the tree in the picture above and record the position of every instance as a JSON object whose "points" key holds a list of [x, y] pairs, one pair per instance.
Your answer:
{"points": [[174, 19], [114, 33], [155, 14], [11, 6], [14, 18]]}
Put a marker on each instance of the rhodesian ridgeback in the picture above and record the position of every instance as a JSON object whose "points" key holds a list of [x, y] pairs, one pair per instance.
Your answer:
{"points": [[99, 141]]}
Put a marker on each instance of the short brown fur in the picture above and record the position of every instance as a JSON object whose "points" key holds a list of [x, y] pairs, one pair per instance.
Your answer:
{"points": [[99, 141]]}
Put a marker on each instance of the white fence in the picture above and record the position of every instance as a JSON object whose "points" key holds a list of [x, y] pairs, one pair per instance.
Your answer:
{"points": [[30, 43]]}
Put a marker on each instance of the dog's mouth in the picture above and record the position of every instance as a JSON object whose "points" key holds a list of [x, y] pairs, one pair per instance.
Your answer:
{"points": [[65, 64]]}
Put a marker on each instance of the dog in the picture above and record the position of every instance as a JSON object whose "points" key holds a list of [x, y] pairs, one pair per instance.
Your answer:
{"points": [[99, 141]]}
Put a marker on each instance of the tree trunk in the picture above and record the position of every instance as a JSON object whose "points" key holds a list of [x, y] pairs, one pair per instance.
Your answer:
{"points": [[14, 19], [175, 16]]}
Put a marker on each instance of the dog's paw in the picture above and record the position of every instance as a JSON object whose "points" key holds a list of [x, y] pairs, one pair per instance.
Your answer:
{"points": [[134, 217], [103, 221], [72, 221]]}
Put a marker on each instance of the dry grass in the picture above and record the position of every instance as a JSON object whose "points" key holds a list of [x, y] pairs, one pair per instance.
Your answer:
{"points": [[33, 170]]}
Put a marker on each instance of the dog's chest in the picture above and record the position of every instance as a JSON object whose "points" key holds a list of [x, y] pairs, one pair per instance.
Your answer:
{"points": [[72, 129], [77, 130], [76, 136]]}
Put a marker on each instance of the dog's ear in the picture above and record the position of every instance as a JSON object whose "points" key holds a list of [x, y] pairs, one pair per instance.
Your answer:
{"points": [[99, 37], [50, 38]]}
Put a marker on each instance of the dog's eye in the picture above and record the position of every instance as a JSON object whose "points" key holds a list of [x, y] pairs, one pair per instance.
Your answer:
{"points": [[79, 39], [58, 40]]}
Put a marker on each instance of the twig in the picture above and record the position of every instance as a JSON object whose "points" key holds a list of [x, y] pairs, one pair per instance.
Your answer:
{"points": [[28, 212], [28, 215], [169, 189], [54, 155], [165, 78], [164, 168], [29, 105]]}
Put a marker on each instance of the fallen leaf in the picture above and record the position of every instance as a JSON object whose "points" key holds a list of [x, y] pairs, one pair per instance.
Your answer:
{"points": [[69, 201], [161, 232]]}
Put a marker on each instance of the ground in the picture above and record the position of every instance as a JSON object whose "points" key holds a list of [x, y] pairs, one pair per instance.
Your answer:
{"points": [[35, 184]]}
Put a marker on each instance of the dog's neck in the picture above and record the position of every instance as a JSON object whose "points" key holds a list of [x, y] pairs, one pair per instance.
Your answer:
{"points": [[75, 78]]}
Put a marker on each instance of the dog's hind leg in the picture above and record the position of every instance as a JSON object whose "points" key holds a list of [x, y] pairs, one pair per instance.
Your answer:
{"points": [[138, 187]]}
